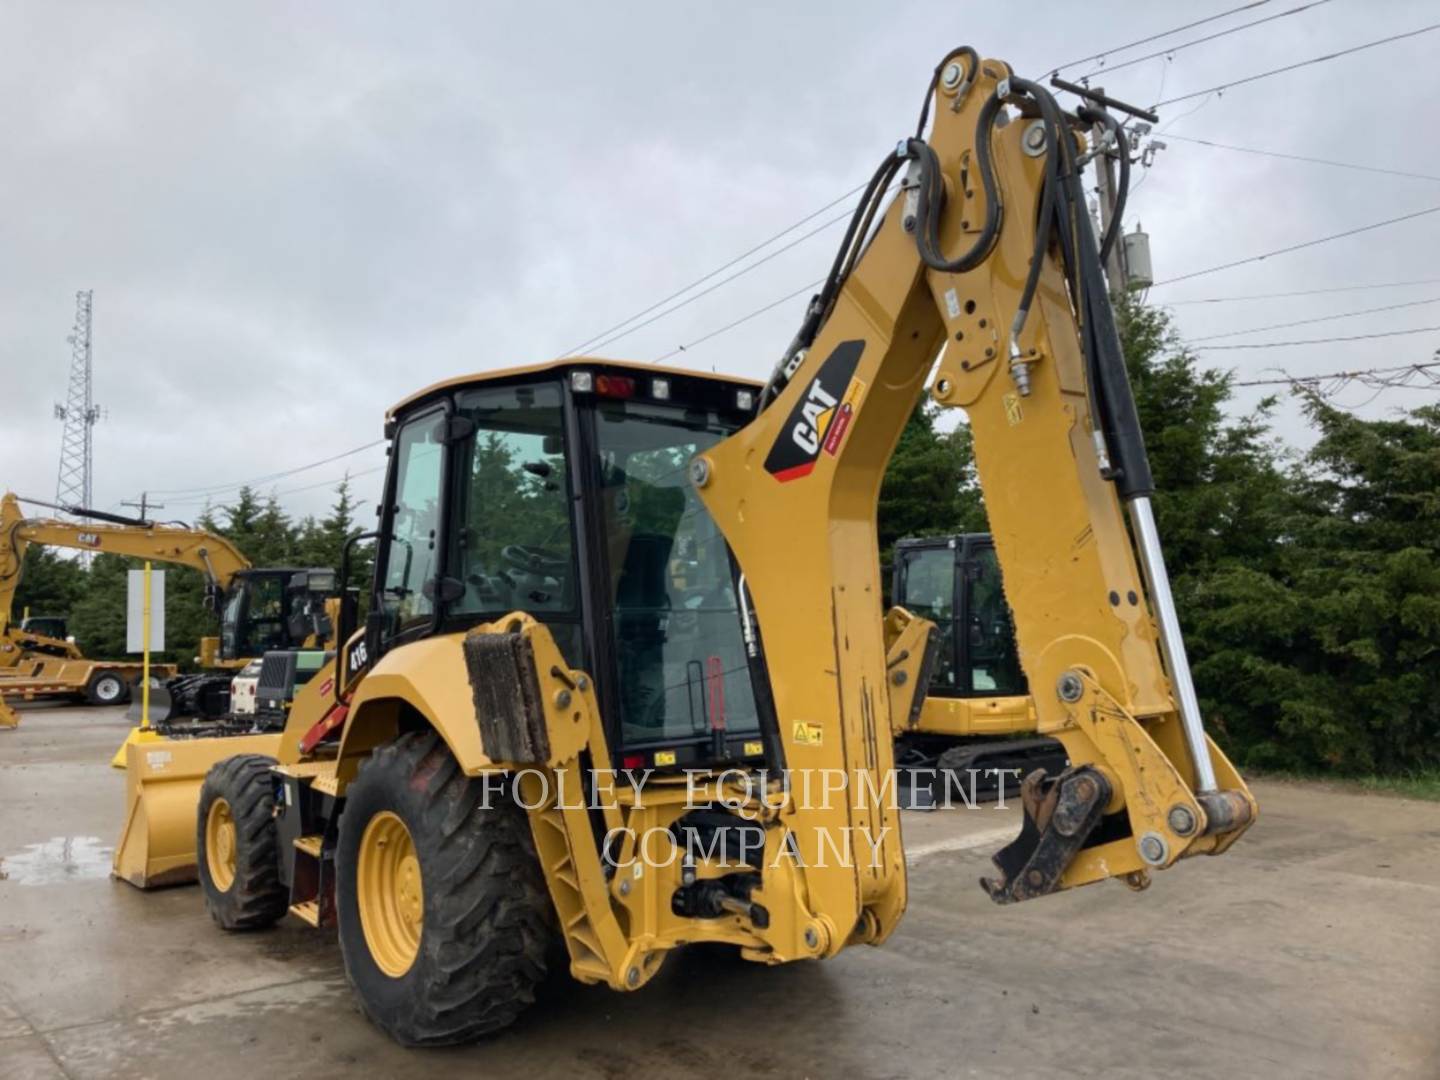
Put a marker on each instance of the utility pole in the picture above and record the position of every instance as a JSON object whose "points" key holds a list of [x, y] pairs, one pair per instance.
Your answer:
{"points": [[144, 505], [1121, 275], [75, 485], [1101, 141]]}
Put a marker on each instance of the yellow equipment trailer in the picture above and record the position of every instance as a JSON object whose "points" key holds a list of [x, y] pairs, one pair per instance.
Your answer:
{"points": [[625, 681]]}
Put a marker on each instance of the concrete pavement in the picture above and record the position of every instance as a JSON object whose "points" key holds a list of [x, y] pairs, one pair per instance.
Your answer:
{"points": [[1311, 950]]}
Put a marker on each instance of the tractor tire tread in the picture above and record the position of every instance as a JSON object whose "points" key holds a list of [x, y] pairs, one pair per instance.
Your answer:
{"points": [[484, 894], [256, 898]]}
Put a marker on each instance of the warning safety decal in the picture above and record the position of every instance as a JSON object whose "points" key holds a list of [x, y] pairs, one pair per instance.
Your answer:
{"points": [[821, 418]]}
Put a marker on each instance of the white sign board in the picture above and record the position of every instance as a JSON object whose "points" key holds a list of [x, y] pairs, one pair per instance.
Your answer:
{"points": [[135, 612]]}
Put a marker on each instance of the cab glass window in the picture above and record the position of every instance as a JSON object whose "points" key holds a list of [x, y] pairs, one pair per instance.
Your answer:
{"points": [[994, 659], [929, 591], [511, 545], [411, 549], [671, 592]]}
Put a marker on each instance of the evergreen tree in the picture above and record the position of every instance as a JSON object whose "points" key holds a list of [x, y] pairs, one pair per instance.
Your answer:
{"points": [[1327, 654], [51, 581]]}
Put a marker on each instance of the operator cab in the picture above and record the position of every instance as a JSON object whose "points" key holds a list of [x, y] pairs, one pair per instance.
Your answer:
{"points": [[562, 491], [275, 608], [955, 583]]}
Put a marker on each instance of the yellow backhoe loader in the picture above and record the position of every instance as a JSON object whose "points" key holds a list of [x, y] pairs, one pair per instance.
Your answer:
{"points": [[625, 680], [259, 610]]}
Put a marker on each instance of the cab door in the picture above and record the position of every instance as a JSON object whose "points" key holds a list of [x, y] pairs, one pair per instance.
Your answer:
{"points": [[403, 607], [927, 585]]}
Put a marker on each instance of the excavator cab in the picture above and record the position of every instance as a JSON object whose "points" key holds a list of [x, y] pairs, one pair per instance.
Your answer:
{"points": [[954, 582], [564, 493], [274, 608]]}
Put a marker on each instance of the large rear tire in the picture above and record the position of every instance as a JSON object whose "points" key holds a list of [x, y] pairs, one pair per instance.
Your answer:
{"points": [[445, 922], [237, 846]]}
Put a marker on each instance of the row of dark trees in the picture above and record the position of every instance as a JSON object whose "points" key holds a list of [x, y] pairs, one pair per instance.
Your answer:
{"points": [[1308, 584]]}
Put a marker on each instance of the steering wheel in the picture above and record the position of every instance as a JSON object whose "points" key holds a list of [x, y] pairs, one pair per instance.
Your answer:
{"points": [[535, 560]]}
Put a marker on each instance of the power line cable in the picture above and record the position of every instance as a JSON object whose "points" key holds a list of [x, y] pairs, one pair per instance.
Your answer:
{"points": [[1302, 292], [216, 489], [1311, 160], [604, 338], [200, 500], [1290, 380], [1156, 37], [1105, 69], [1297, 247], [1319, 341], [743, 319], [718, 270], [1303, 63], [726, 281], [1317, 319]]}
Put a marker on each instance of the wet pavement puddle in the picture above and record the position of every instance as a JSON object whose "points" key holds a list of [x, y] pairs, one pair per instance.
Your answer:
{"points": [[57, 860]]}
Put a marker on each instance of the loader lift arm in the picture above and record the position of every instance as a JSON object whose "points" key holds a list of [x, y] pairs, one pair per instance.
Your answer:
{"points": [[1027, 346]]}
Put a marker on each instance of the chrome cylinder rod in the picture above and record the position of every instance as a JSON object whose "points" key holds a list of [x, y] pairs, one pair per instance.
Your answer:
{"points": [[1172, 645]]}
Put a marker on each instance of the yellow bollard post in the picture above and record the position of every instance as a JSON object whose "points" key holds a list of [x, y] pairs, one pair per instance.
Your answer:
{"points": [[142, 732], [145, 656]]}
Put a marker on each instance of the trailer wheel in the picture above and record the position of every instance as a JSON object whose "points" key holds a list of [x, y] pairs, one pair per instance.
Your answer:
{"points": [[445, 922], [106, 688], [236, 844]]}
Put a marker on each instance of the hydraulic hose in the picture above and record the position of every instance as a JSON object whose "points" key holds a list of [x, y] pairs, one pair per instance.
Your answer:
{"points": [[1122, 188]]}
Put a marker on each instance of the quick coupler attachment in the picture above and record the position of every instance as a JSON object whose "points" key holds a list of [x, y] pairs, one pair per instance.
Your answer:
{"points": [[1060, 813]]}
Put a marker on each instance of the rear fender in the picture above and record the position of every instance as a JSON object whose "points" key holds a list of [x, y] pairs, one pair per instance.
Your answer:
{"points": [[429, 678], [432, 679]]}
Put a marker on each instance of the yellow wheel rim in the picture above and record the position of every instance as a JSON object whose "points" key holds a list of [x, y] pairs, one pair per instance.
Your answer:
{"points": [[390, 895], [220, 845]]}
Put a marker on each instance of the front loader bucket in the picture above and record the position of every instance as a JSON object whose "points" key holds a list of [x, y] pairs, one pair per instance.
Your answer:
{"points": [[137, 735], [162, 790], [9, 718], [161, 706]]}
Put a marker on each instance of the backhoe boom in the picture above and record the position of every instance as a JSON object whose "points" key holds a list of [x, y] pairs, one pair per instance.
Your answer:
{"points": [[1027, 347]]}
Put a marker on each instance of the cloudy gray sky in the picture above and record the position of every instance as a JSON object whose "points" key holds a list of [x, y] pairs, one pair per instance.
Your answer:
{"points": [[292, 215]]}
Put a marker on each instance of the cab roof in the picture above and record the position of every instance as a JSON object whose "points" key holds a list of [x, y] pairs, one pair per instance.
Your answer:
{"points": [[636, 367]]}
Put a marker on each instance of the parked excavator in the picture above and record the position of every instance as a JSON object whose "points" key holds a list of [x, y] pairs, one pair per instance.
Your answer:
{"points": [[625, 682], [974, 736], [274, 608]]}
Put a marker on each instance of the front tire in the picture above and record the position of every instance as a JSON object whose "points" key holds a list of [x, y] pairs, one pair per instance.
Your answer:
{"points": [[237, 845], [445, 922]]}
